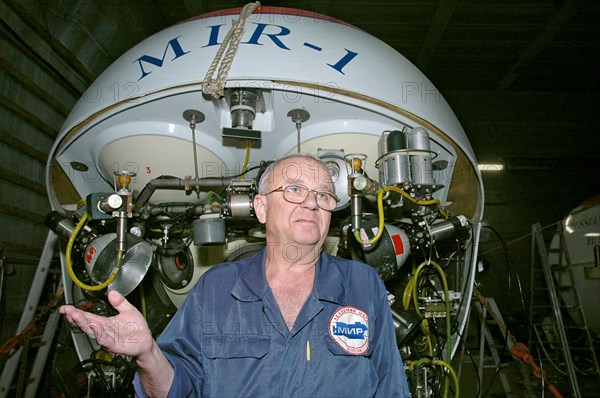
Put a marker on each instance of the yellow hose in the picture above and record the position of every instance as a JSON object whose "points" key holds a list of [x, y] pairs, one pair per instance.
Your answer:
{"points": [[79, 283], [143, 301], [424, 361], [412, 293], [415, 201], [452, 372], [413, 285], [380, 193], [247, 160], [381, 221]]}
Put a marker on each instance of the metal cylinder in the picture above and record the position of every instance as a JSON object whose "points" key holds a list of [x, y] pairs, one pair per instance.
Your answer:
{"points": [[242, 116], [240, 205], [457, 227], [356, 211], [243, 108], [122, 231], [395, 169], [405, 323], [382, 148], [60, 224], [388, 254], [209, 229], [421, 167]]}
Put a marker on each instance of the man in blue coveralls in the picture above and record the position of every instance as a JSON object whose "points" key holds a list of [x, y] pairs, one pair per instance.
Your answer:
{"points": [[291, 321]]}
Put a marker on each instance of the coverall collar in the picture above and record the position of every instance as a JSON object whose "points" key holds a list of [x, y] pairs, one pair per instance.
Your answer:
{"points": [[252, 285]]}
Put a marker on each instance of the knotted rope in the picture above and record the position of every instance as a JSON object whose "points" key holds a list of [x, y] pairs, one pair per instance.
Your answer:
{"points": [[214, 87]]}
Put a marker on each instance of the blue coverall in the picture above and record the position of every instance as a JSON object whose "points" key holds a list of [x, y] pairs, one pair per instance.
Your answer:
{"points": [[229, 338]]}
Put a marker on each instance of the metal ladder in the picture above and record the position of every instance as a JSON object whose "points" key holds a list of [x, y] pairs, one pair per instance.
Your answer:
{"points": [[486, 336], [490, 319], [548, 330], [43, 343]]}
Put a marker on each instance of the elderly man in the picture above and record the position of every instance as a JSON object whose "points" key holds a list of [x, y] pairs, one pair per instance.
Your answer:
{"points": [[290, 321]]}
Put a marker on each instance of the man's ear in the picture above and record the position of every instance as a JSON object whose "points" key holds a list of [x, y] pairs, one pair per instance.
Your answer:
{"points": [[260, 208]]}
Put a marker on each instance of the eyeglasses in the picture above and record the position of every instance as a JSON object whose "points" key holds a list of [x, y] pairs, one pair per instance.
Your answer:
{"points": [[297, 193]]}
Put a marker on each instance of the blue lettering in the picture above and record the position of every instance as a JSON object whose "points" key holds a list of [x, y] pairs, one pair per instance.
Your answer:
{"points": [[259, 31], [213, 40], [339, 65], [355, 331], [173, 44]]}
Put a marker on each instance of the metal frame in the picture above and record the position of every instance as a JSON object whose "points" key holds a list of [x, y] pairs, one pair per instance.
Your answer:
{"points": [[31, 305]]}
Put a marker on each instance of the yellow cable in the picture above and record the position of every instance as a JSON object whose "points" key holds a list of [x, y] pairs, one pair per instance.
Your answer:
{"points": [[415, 286], [418, 362], [416, 201], [380, 193], [423, 361], [452, 372], [448, 326], [143, 301], [79, 283], [407, 294], [247, 160], [429, 344], [447, 307]]}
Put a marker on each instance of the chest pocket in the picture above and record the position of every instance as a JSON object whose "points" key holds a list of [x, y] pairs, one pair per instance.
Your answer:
{"points": [[225, 346], [233, 363], [357, 370]]}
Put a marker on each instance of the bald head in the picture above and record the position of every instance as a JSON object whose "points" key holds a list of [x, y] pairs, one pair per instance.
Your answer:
{"points": [[288, 169]]}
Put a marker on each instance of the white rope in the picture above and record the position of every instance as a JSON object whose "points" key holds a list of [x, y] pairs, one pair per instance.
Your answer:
{"points": [[214, 87]]}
